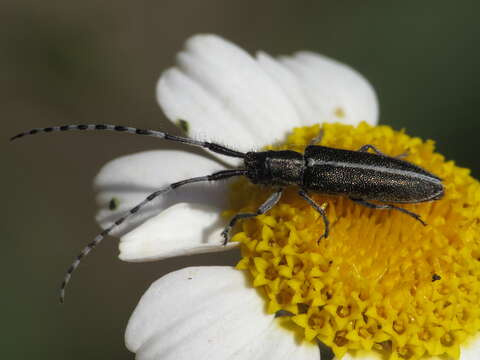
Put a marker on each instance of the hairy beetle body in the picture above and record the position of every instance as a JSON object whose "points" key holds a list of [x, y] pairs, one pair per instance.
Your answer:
{"points": [[356, 174], [368, 176]]}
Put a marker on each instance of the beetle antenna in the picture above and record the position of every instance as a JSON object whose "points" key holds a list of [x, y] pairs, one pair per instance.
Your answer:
{"points": [[216, 148], [220, 175]]}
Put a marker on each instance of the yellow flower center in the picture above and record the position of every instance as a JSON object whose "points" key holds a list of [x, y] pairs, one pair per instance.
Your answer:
{"points": [[381, 281]]}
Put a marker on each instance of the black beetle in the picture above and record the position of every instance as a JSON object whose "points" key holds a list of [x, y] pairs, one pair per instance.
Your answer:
{"points": [[359, 175]]}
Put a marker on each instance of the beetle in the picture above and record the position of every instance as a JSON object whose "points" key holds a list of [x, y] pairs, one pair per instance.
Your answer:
{"points": [[360, 175]]}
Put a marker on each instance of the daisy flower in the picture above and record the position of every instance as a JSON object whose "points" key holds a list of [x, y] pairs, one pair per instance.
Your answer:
{"points": [[381, 286]]}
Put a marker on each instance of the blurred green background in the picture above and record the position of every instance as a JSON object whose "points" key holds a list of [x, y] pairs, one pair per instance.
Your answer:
{"points": [[90, 61]]}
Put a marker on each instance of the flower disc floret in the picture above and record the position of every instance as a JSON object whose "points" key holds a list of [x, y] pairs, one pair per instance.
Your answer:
{"points": [[381, 281]]}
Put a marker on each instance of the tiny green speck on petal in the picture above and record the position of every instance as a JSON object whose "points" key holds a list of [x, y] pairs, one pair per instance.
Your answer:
{"points": [[183, 125], [113, 204]]}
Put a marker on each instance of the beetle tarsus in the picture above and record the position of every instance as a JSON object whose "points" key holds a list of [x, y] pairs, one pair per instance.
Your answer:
{"points": [[323, 236], [367, 147], [225, 235], [267, 205], [402, 155], [317, 139], [320, 210], [389, 207]]}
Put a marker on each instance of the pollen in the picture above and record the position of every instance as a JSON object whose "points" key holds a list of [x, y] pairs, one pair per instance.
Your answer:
{"points": [[380, 282]]}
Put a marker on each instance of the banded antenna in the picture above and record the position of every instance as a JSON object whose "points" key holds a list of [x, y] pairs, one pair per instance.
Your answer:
{"points": [[220, 175], [216, 148]]}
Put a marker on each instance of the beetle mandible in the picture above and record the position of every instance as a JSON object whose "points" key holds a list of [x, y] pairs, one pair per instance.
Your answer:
{"points": [[360, 175]]}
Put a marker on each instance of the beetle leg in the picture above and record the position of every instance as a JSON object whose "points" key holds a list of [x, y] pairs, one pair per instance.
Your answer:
{"points": [[267, 205], [317, 138], [320, 210], [389, 206], [367, 147], [402, 155]]}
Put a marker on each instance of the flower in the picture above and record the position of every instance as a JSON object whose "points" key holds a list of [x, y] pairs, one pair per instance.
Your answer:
{"points": [[347, 291]]}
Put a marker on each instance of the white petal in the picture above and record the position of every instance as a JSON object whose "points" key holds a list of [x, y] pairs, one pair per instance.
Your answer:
{"points": [[223, 92], [322, 89], [182, 229], [471, 351], [130, 179], [229, 97], [208, 313]]}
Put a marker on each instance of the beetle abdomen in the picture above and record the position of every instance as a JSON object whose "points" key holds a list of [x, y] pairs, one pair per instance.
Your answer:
{"points": [[368, 176]]}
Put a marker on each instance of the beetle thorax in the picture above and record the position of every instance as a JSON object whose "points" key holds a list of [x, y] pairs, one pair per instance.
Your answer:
{"points": [[275, 167]]}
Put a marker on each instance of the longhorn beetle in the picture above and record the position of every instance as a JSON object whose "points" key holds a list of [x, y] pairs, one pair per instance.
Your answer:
{"points": [[360, 175]]}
